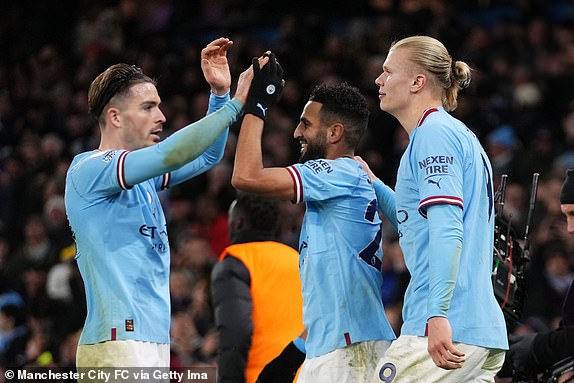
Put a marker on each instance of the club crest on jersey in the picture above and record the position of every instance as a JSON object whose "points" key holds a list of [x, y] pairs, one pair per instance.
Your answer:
{"points": [[109, 155], [436, 165], [318, 166]]}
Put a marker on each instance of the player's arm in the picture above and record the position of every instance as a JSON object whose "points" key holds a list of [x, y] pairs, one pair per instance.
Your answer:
{"points": [[180, 148], [283, 368], [445, 246], [215, 68], [186, 144], [232, 304], [385, 195], [212, 155], [249, 174]]}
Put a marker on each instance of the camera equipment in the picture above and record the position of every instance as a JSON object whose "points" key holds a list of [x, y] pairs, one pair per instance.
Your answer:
{"points": [[562, 372], [511, 256]]}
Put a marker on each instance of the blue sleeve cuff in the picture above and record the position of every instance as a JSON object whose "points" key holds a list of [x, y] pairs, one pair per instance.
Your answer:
{"points": [[300, 344], [216, 101], [386, 200]]}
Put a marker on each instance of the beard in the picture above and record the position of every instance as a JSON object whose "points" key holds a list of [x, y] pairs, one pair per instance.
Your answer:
{"points": [[314, 151]]}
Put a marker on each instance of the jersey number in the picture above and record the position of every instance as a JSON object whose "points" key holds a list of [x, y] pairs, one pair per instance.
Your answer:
{"points": [[368, 254], [489, 193], [387, 372], [371, 211]]}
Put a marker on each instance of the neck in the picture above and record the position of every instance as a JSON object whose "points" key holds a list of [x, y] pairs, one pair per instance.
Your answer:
{"points": [[412, 114], [109, 142], [338, 152]]}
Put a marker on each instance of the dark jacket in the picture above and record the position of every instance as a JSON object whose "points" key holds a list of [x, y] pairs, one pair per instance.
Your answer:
{"points": [[233, 304]]}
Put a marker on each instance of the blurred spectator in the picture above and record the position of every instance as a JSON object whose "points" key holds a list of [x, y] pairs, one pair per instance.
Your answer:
{"points": [[548, 281], [180, 284], [36, 250], [57, 227], [501, 145], [194, 254], [14, 335], [210, 222], [67, 350]]}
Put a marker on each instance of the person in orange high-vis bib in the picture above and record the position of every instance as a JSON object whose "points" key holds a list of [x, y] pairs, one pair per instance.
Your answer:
{"points": [[256, 291]]}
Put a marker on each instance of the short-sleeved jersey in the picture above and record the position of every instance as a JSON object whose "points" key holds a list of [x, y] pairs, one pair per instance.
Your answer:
{"points": [[340, 255], [444, 163]]}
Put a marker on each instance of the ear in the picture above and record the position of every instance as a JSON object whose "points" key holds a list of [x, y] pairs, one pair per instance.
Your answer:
{"points": [[113, 116], [418, 83], [335, 132]]}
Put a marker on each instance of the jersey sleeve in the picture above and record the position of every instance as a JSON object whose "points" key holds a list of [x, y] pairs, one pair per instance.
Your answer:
{"points": [[204, 162], [100, 174], [216, 102], [318, 180], [437, 157]]}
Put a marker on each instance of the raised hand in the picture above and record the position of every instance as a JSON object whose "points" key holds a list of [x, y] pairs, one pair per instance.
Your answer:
{"points": [[266, 86], [215, 66]]}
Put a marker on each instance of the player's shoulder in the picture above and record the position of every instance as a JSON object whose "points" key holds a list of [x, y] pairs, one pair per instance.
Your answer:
{"points": [[438, 122], [336, 166], [94, 158], [442, 128]]}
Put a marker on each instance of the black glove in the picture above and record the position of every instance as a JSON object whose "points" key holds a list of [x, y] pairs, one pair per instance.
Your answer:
{"points": [[284, 367], [522, 352], [265, 88]]}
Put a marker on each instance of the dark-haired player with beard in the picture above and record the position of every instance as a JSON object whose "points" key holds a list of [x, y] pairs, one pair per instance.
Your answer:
{"points": [[340, 242]]}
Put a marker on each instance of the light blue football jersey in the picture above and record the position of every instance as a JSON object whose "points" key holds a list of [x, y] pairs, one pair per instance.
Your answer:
{"points": [[444, 163], [340, 256], [121, 237]]}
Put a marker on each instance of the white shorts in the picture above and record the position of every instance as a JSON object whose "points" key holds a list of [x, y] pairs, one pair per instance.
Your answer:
{"points": [[408, 361], [352, 364], [123, 353]]}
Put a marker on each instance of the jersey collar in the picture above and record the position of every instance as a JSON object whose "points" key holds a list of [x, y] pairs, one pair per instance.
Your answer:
{"points": [[426, 114]]}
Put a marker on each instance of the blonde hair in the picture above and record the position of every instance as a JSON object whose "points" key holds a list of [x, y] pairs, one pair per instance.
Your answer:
{"points": [[431, 55]]}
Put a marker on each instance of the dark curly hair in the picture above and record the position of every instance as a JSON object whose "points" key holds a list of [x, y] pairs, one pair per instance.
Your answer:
{"points": [[345, 103], [261, 213]]}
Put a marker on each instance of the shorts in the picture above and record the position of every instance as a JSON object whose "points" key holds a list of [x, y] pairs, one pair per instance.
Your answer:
{"points": [[123, 353], [355, 363], [408, 361]]}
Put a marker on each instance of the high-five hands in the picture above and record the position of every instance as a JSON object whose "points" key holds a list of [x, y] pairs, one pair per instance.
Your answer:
{"points": [[266, 86], [215, 66]]}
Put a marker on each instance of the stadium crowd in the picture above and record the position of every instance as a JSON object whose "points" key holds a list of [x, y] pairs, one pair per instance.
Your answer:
{"points": [[519, 104]]}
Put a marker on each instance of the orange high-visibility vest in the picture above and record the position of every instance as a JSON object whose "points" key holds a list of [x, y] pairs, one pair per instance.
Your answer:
{"points": [[277, 301]]}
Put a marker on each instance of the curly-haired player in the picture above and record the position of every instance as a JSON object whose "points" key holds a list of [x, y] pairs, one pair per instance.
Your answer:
{"points": [[340, 242]]}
